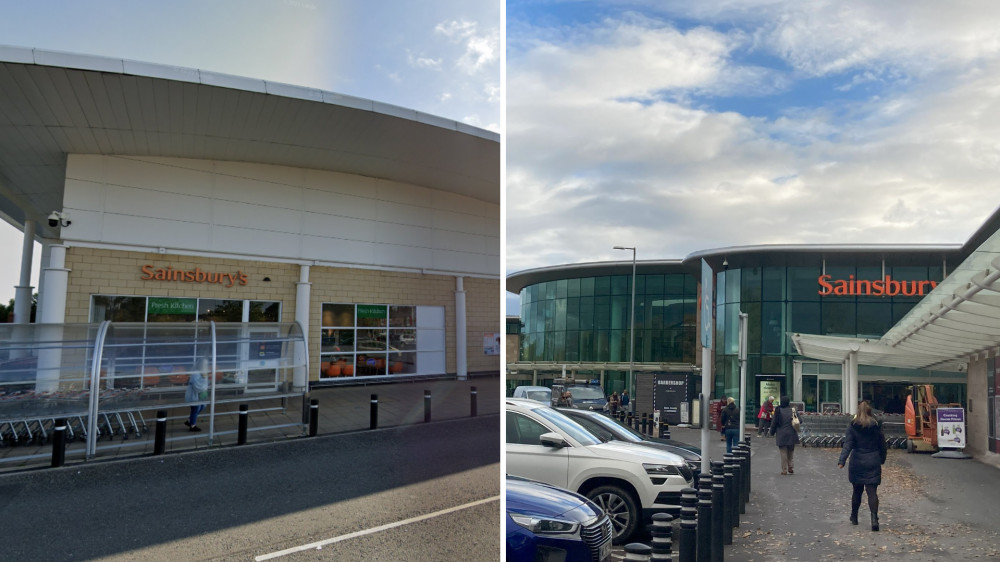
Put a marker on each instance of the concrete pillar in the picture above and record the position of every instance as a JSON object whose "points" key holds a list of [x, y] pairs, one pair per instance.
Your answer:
{"points": [[56, 286], [852, 381], [461, 342], [303, 295], [796, 381], [22, 293]]}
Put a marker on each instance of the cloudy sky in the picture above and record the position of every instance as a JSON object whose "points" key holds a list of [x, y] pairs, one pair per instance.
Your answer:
{"points": [[689, 125], [441, 57]]}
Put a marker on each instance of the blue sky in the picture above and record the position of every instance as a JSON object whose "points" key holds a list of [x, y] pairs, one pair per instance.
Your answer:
{"points": [[689, 125], [441, 57]]}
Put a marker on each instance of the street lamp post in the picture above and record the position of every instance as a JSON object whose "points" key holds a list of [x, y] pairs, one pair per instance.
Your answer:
{"points": [[631, 330]]}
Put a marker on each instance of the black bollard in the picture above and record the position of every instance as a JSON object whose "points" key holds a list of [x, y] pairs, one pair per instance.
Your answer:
{"points": [[643, 423], [689, 526], [427, 406], [241, 434], [741, 458], [313, 418], [704, 517], [59, 443], [628, 419], [373, 423], [160, 439], [727, 500], [662, 543], [737, 484], [745, 485], [746, 476], [637, 552], [473, 406], [718, 489]]}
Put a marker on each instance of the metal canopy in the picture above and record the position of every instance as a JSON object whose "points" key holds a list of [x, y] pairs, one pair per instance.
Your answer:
{"points": [[53, 104], [956, 321]]}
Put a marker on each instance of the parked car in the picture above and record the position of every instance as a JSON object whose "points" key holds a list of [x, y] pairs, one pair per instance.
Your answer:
{"points": [[541, 394], [548, 523], [585, 396], [607, 429], [628, 481]]}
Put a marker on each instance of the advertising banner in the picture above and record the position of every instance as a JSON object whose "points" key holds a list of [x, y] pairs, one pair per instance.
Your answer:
{"points": [[672, 397], [951, 428], [491, 343]]}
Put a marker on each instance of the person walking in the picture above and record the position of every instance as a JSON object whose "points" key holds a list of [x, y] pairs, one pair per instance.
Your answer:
{"points": [[625, 401], [197, 393], [764, 416], [730, 420], [864, 443], [613, 403], [786, 437]]}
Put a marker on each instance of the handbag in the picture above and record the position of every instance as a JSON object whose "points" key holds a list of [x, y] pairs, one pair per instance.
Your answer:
{"points": [[796, 424]]}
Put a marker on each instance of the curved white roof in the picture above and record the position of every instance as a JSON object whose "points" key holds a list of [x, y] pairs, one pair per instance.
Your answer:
{"points": [[53, 104]]}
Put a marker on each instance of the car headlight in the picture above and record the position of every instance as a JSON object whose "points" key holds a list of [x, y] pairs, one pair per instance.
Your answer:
{"points": [[543, 526], [661, 469]]}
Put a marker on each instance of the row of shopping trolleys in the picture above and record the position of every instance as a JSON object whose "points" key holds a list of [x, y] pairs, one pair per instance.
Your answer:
{"points": [[827, 430], [39, 431]]}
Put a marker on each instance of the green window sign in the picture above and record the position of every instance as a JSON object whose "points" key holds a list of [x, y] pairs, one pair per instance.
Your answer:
{"points": [[371, 311], [172, 306]]}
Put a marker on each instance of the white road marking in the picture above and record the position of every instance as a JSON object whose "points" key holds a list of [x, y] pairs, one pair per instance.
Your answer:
{"points": [[319, 544]]}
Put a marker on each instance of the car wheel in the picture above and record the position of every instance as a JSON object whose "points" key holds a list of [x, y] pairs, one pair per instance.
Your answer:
{"points": [[620, 507]]}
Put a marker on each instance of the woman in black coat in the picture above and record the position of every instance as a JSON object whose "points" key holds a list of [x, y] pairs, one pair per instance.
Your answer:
{"points": [[786, 436], [865, 444]]}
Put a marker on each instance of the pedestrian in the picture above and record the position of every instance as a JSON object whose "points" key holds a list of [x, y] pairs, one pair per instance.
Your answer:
{"points": [[625, 400], [786, 437], [197, 393], [864, 443], [566, 400], [764, 416], [613, 403], [722, 428], [730, 419]]}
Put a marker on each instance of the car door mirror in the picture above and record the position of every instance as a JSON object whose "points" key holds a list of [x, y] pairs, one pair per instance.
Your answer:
{"points": [[552, 440]]}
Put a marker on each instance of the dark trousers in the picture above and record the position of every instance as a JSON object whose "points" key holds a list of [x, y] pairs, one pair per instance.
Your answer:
{"points": [[871, 490], [732, 437]]}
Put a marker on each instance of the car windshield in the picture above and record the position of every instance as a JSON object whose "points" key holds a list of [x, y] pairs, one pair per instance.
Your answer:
{"points": [[567, 426], [586, 392], [539, 395], [624, 433]]}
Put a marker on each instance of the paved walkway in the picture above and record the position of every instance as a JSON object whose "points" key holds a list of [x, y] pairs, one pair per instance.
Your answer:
{"points": [[931, 509], [341, 409]]}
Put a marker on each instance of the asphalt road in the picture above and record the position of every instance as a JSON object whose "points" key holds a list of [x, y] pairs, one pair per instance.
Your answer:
{"points": [[337, 497]]}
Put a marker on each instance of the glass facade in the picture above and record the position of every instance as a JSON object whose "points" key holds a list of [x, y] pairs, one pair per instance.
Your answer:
{"points": [[587, 319]]}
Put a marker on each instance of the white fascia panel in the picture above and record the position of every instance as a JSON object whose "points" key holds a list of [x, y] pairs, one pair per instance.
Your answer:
{"points": [[86, 167], [391, 212], [338, 228], [394, 110], [169, 177], [290, 91], [78, 61], [88, 225], [348, 101], [406, 194], [250, 241], [343, 251], [431, 317], [436, 121], [256, 192], [337, 205], [459, 261], [401, 256], [234, 82], [145, 231], [477, 132], [404, 235], [157, 204], [83, 195], [256, 217], [21, 55], [459, 242], [166, 72]]}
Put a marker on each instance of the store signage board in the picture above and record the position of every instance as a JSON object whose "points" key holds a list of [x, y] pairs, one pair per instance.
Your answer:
{"points": [[372, 310], [886, 286], [172, 306], [672, 396], [951, 428]]}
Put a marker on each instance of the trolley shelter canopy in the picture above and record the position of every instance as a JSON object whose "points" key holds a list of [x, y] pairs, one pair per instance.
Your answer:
{"points": [[956, 321]]}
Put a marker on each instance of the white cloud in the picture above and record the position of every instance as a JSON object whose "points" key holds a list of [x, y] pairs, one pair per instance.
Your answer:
{"points": [[481, 48]]}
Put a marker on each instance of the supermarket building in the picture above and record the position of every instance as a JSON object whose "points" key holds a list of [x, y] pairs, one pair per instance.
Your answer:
{"points": [[166, 194], [828, 325]]}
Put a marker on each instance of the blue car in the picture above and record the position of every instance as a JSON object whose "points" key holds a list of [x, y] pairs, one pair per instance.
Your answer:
{"points": [[549, 524]]}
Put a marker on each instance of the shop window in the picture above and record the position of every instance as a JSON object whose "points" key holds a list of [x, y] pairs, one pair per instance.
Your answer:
{"points": [[620, 285], [602, 286], [573, 287], [402, 316], [773, 284], [751, 289], [675, 284], [839, 319], [215, 310], [587, 287], [562, 287], [117, 309], [803, 283], [654, 284]]}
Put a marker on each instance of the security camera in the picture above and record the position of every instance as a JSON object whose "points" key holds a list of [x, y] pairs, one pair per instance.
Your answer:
{"points": [[725, 263], [56, 219]]}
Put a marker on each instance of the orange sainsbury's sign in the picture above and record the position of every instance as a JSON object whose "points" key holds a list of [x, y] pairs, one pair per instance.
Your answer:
{"points": [[886, 286], [196, 275]]}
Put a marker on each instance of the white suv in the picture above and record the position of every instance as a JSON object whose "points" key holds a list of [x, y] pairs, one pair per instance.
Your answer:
{"points": [[629, 482]]}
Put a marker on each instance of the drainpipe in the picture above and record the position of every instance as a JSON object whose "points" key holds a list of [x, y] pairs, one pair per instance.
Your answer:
{"points": [[303, 294]]}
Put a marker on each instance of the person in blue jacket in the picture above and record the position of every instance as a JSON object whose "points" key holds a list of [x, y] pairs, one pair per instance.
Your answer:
{"points": [[864, 443], [197, 393]]}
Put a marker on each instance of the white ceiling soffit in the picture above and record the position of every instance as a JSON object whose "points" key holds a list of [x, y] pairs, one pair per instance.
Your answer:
{"points": [[54, 104], [959, 319]]}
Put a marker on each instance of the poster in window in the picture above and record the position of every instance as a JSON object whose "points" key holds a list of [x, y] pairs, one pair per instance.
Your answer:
{"points": [[491, 343]]}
